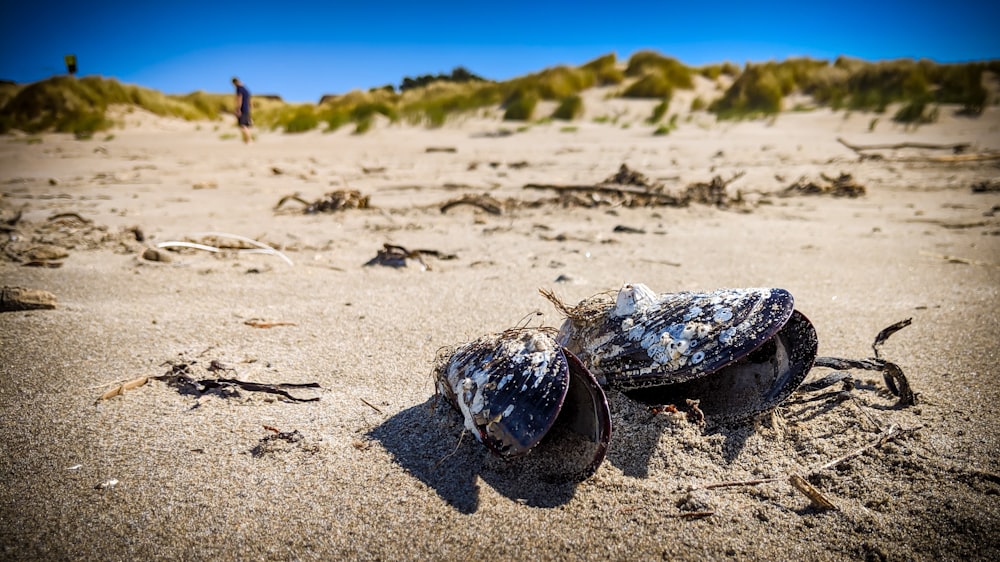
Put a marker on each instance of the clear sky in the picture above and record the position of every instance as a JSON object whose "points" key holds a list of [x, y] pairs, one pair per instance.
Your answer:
{"points": [[301, 50]]}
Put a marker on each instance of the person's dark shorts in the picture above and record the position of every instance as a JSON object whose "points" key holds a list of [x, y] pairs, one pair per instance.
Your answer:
{"points": [[244, 120]]}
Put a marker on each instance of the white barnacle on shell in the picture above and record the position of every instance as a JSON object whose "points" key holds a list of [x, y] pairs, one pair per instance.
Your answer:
{"points": [[724, 314], [692, 312], [727, 335], [698, 357], [632, 297], [689, 331]]}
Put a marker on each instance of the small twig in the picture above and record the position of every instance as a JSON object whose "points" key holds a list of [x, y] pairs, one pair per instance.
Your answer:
{"points": [[893, 431], [256, 323], [694, 514], [370, 405], [734, 483], [818, 500]]}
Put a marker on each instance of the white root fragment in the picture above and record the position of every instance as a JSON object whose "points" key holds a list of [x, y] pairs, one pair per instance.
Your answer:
{"points": [[263, 248]]}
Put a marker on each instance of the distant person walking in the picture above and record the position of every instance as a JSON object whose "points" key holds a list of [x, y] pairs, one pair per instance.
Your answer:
{"points": [[243, 110]]}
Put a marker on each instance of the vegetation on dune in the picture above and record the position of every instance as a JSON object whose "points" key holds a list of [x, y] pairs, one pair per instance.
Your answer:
{"points": [[916, 88], [458, 74], [659, 111], [520, 106], [672, 72], [79, 106], [571, 107], [859, 85], [605, 70]]}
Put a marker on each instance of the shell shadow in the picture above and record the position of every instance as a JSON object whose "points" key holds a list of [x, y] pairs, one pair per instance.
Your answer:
{"points": [[426, 440]]}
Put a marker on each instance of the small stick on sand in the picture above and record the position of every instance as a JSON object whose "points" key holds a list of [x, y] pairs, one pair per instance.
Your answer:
{"points": [[370, 405], [121, 388], [734, 483], [893, 431], [818, 500]]}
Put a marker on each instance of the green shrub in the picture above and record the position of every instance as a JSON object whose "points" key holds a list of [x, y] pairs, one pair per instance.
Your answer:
{"points": [[303, 119], [662, 130], [659, 111], [916, 112], [698, 104], [335, 119], [673, 72], [553, 83], [520, 106], [757, 91], [714, 71], [605, 70], [571, 107], [653, 85]]}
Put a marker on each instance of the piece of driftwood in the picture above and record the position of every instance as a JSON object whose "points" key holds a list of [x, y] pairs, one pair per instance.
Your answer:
{"points": [[484, 201], [957, 148], [633, 189], [21, 298]]}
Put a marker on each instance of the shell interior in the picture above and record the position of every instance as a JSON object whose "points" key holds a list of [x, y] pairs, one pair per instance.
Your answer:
{"points": [[756, 383], [578, 441]]}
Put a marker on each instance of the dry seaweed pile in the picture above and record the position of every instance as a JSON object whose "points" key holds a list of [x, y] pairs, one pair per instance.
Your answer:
{"points": [[841, 186], [331, 202], [45, 243]]}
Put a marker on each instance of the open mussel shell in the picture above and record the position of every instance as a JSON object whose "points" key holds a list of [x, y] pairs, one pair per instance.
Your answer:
{"points": [[642, 339], [738, 351], [756, 383], [519, 389]]}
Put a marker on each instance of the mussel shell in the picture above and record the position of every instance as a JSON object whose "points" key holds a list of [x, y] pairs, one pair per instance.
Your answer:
{"points": [[518, 388], [756, 383], [643, 339]]}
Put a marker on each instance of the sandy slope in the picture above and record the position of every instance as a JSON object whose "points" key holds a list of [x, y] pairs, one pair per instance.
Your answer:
{"points": [[376, 473]]}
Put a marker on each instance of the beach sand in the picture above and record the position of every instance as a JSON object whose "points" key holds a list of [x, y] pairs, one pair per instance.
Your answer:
{"points": [[376, 468]]}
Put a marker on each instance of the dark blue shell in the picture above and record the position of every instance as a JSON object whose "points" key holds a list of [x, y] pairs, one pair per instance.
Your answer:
{"points": [[518, 387], [643, 339], [758, 382], [510, 388]]}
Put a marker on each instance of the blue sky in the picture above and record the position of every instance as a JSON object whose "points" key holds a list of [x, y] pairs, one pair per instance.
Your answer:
{"points": [[304, 49]]}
